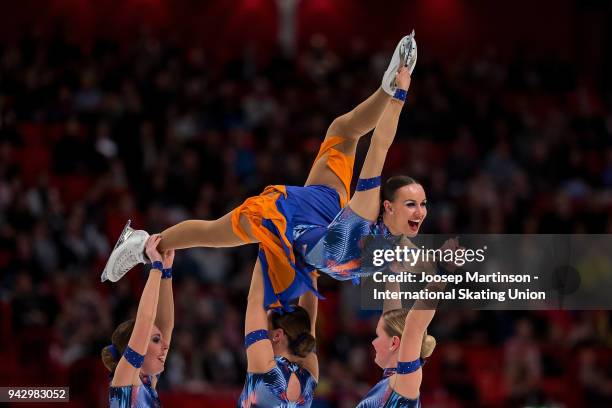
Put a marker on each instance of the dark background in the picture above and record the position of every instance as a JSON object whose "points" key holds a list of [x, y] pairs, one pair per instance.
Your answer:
{"points": [[160, 111]]}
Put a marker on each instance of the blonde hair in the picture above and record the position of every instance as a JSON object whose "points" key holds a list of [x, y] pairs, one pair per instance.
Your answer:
{"points": [[393, 324]]}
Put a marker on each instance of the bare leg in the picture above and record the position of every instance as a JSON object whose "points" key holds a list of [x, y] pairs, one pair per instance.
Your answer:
{"points": [[201, 233], [361, 119], [351, 126], [219, 233]]}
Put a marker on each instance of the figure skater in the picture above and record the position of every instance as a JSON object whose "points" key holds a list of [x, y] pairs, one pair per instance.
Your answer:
{"points": [[139, 347], [289, 222], [401, 335], [283, 369], [401, 339]]}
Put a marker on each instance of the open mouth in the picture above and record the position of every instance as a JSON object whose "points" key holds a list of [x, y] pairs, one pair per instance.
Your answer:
{"points": [[162, 359], [414, 225]]}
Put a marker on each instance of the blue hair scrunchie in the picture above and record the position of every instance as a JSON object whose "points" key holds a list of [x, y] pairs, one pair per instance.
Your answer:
{"points": [[114, 352]]}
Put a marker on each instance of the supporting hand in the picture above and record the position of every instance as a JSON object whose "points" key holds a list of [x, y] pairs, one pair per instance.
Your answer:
{"points": [[151, 248], [402, 78]]}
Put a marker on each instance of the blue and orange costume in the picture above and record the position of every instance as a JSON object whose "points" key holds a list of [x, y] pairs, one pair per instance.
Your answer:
{"points": [[135, 396], [284, 219], [383, 396], [304, 229], [263, 390]]}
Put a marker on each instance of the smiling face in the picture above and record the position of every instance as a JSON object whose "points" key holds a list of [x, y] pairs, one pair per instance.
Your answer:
{"points": [[385, 347], [156, 353], [406, 212]]}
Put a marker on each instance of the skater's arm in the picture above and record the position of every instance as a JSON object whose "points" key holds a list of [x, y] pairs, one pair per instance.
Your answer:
{"points": [[310, 302], [394, 287], [416, 323], [389, 303], [366, 203], [386, 128], [126, 373], [260, 357], [165, 307]]}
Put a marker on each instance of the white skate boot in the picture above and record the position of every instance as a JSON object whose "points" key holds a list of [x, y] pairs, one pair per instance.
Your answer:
{"points": [[128, 252], [405, 54]]}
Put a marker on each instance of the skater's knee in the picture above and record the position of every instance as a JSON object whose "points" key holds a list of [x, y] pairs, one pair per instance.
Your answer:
{"points": [[342, 126]]}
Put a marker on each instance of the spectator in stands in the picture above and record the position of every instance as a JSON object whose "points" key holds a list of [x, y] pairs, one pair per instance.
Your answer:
{"points": [[523, 365]]}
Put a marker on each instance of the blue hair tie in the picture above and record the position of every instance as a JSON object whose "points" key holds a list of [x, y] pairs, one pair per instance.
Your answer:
{"points": [[367, 184], [282, 310], [114, 352]]}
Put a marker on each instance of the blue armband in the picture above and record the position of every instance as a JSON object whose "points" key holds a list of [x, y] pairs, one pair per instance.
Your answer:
{"points": [[157, 265], [133, 357], [254, 337], [407, 367], [367, 184], [167, 273], [400, 94]]}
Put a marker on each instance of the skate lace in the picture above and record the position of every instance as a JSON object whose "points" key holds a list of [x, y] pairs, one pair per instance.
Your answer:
{"points": [[126, 260]]}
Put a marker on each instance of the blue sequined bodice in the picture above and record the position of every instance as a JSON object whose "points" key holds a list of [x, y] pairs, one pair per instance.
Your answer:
{"points": [[267, 390], [345, 247], [383, 396], [135, 396]]}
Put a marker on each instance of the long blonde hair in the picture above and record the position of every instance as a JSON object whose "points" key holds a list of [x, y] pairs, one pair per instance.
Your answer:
{"points": [[393, 324]]}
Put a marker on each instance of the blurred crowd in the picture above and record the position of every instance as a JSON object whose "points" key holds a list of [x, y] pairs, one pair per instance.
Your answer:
{"points": [[156, 133]]}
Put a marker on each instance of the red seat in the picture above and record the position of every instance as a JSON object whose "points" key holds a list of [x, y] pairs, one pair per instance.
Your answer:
{"points": [[73, 188], [32, 134], [221, 398], [33, 161], [485, 365]]}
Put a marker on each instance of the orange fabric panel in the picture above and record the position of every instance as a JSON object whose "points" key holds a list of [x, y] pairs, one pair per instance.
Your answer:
{"points": [[256, 209], [339, 163]]}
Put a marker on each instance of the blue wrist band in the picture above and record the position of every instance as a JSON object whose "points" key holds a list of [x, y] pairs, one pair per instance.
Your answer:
{"points": [[133, 357], [400, 94], [157, 265], [167, 273], [254, 337], [367, 184], [407, 367]]}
